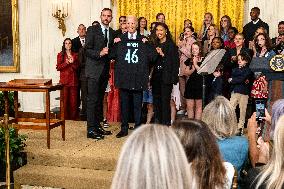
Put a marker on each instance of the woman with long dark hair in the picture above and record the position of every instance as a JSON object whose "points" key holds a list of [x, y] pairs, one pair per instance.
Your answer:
{"points": [[203, 154], [67, 64], [225, 24], [165, 73]]}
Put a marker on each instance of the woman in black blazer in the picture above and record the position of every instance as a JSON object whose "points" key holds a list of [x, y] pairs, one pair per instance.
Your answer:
{"points": [[165, 74]]}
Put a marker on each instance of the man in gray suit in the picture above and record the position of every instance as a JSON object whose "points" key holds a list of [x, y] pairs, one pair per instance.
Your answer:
{"points": [[99, 40]]}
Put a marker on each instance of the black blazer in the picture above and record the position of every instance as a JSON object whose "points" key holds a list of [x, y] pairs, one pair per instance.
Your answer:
{"points": [[94, 44], [170, 62], [76, 44]]}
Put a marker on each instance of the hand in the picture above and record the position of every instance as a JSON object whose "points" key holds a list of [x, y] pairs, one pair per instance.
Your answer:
{"points": [[278, 40], [234, 58], [230, 80], [195, 60], [104, 51], [263, 150], [116, 40], [144, 40], [267, 117], [247, 81], [251, 45], [160, 51], [252, 126], [70, 59]]}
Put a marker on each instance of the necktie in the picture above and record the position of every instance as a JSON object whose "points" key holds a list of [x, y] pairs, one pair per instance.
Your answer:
{"points": [[83, 42], [131, 36], [106, 40]]}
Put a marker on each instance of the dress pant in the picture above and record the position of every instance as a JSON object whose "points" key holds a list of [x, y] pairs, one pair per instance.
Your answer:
{"points": [[95, 97], [84, 92], [125, 95], [161, 100], [70, 102]]}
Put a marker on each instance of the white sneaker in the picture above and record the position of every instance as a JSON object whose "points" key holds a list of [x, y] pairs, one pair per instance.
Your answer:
{"points": [[181, 112]]}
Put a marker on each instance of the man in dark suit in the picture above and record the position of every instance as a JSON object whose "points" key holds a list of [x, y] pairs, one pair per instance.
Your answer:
{"points": [[99, 39], [250, 28], [77, 44]]}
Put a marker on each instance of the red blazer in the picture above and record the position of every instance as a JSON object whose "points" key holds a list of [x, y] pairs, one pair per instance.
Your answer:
{"points": [[68, 72]]}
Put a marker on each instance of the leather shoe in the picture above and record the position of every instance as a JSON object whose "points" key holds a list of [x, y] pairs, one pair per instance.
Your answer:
{"points": [[101, 131], [95, 135], [121, 134]]}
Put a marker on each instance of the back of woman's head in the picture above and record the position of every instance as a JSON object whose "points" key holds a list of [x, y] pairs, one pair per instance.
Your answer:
{"points": [[152, 157], [220, 116], [273, 172], [202, 152], [277, 111]]}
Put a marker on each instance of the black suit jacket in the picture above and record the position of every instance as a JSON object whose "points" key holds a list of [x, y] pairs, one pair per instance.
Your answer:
{"points": [[95, 65], [76, 44]]}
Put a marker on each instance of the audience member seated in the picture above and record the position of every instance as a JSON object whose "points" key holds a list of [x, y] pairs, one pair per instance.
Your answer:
{"points": [[203, 154], [270, 175], [221, 118], [152, 157], [256, 155]]}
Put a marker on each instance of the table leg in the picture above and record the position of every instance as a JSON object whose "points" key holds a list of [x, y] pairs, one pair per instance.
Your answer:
{"points": [[62, 113], [47, 112], [6, 98]]}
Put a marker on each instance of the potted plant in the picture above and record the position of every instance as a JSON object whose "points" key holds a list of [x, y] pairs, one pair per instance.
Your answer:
{"points": [[11, 104], [18, 157]]}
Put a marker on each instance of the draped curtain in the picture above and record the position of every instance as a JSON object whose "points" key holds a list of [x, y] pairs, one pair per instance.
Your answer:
{"points": [[176, 11]]}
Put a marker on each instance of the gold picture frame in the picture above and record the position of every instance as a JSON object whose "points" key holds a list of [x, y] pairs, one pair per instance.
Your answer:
{"points": [[10, 62]]}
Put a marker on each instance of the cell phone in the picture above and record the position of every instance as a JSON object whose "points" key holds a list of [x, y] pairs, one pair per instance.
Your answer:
{"points": [[260, 110]]}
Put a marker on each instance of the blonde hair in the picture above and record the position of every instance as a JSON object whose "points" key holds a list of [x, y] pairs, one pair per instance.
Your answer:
{"points": [[273, 173], [221, 118], [152, 157]]}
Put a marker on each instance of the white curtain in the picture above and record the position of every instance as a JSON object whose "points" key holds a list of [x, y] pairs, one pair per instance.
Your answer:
{"points": [[271, 12]]}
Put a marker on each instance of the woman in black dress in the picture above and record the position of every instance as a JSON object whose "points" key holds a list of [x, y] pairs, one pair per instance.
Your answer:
{"points": [[193, 88], [165, 74]]}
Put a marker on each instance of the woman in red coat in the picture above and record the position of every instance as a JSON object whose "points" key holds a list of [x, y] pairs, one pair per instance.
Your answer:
{"points": [[67, 64]]}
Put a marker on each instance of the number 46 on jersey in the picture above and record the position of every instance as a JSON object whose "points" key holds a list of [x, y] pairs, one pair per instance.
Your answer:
{"points": [[131, 55]]}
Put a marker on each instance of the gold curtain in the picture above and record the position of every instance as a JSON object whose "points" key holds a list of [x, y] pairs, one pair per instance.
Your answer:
{"points": [[176, 11]]}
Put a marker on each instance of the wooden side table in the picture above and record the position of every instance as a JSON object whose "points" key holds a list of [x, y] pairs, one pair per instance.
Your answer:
{"points": [[49, 123]]}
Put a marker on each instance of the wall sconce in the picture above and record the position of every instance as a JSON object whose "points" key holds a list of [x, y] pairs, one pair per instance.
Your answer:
{"points": [[60, 10]]}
